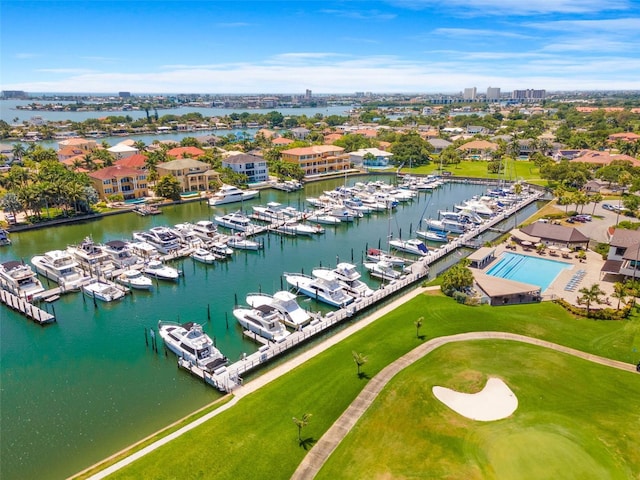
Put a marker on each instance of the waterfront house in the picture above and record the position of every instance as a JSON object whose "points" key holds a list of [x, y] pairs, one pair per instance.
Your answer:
{"points": [[137, 161], [86, 146], [281, 141], [254, 167], [438, 144], [128, 182], [623, 257], [478, 149], [596, 157], [380, 158], [300, 133], [192, 174], [318, 159]]}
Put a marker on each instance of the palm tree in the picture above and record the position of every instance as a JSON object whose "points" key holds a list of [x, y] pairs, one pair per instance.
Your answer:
{"points": [[595, 199], [140, 145], [418, 324], [619, 292], [18, 151], [590, 295], [360, 360], [301, 423]]}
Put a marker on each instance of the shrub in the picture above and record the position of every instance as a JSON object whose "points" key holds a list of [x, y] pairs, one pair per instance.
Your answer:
{"points": [[596, 314]]}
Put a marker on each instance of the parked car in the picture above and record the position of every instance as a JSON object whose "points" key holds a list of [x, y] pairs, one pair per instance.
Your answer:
{"points": [[583, 218], [608, 206]]}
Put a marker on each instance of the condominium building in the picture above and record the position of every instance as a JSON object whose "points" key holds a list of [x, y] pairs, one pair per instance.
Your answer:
{"points": [[193, 175], [118, 180], [318, 159], [529, 95], [493, 94], [254, 167], [469, 93]]}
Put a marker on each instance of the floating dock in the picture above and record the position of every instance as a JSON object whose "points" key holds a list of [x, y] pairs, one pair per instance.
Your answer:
{"points": [[25, 308]]}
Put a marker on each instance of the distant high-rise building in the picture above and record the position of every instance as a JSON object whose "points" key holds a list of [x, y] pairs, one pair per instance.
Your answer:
{"points": [[529, 95], [13, 94], [493, 94], [124, 94], [359, 94], [469, 93], [307, 94]]}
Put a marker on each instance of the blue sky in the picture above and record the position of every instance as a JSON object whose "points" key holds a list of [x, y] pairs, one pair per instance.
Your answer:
{"points": [[329, 47]]}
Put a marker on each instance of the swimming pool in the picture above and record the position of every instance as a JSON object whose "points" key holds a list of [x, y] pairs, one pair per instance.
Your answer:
{"points": [[527, 269]]}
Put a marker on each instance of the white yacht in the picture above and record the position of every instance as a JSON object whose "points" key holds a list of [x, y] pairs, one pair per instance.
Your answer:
{"points": [[274, 211], [323, 290], [4, 237], [236, 221], [243, 243], [162, 238], [18, 278], [189, 342], [446, 225], [263, 320], [432, 236], [157, 269], [231, 194], [103, 290], [344, 214], [375, 255], [59, 266], [297, 228], [285, 302], [383, 270], [91, 257], [324, 218], [348, 276], [120, 253], [203, 255], [135, 279], [187, 236], [206, 230], [476, 206], [413, 245], [143, 250]]}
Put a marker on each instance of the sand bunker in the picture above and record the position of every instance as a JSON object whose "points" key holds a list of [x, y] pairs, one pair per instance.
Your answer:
{"points": [[495, 402]]}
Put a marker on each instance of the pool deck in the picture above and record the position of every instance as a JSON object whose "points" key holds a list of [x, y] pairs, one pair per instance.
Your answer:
{"points": [[591, 266]]}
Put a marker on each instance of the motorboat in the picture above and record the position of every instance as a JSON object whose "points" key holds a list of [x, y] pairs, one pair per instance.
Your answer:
{"points": [[91, 257], [383, 270], [103, 290], [221, 249], [348, 276], [413, 245], [297, 228], [476, 206], [204, 256], [344, 214], [188, 341], [120, 253], [236, 221], [157, 269], [135, 279], [376, 255], [356, 205], [432, 236], [205, 229], [324, 218], [18, 278], [285, 302], [445, 226], [61, 267], [186, 236], [274, 211], [323, 290], [231, 194], [143, 250], [263, 320], [4, 237], [162, 238], [243, 243]]}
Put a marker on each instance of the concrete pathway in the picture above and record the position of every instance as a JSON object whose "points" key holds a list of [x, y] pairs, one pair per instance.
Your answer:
{"points": [[318, 455]]}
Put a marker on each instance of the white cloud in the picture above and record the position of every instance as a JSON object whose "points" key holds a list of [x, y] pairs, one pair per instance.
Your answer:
{"points": [[66, 71], [476, 32], [614, 25], [26, 55], [233, 25], [361, 14], [517, 7]]}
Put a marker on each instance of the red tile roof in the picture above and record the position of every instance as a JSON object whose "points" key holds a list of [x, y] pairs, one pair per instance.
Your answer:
{"points": [[179, 152], [134, 161], [116, 171]]}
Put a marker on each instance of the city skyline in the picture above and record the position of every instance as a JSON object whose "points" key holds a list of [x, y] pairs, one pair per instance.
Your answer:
{"points": [[328, 47]]}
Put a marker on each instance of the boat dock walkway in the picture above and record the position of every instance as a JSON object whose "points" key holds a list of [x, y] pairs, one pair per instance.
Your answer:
{"points": [[25, 308], [229, 377]]}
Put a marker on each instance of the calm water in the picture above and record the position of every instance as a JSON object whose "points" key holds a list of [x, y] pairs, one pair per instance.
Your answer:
{"points": [[8, 112], [76, 391]]}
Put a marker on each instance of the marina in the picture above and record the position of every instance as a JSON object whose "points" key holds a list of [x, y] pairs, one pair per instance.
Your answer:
{"points": [[152, 393]]}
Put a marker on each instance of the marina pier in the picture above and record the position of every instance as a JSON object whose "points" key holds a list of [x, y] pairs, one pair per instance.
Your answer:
{"points": [[229, 377]]}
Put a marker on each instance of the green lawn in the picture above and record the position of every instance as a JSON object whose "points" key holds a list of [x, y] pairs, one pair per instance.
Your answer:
{"points": [[575, 420], [518, 170], [257, 438]]}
